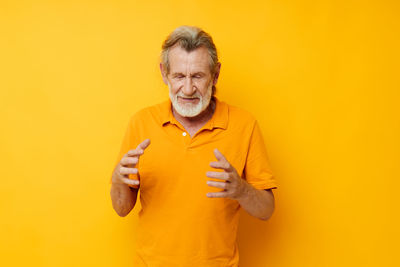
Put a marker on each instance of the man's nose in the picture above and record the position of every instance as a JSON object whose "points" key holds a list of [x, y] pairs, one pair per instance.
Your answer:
{"points": [[188, 87]]}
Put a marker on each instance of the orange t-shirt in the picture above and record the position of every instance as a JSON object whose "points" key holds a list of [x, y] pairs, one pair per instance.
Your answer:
{"points": [[178, 224]]}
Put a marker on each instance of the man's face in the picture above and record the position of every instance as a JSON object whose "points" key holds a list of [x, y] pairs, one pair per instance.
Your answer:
{"points": [[189, 80]]}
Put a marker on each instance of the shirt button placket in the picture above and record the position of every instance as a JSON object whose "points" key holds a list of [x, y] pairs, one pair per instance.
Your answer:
{"points": [[187, 141]]}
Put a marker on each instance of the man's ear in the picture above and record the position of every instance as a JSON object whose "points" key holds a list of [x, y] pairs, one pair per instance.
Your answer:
{"points": [[216, 74], [163, 74]]}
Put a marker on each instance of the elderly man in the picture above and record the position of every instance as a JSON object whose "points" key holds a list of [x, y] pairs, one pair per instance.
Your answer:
{"points": [[196, 161]]}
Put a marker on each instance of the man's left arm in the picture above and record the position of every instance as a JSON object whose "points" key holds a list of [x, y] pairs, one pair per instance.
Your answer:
{"points": [[258, 203]]}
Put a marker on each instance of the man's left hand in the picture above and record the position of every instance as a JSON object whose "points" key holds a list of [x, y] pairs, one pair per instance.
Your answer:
{"points": [[234, 186]]}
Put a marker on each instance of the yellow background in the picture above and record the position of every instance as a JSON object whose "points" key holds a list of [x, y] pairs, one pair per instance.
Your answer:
{"points": [[322, 77]]}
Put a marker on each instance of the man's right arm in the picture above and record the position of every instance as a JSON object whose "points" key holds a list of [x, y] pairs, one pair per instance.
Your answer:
{"points": [[123, 196]]}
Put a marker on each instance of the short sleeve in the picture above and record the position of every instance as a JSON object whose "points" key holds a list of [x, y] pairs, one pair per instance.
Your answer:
{"points": [[129, 141], [257, 170]]}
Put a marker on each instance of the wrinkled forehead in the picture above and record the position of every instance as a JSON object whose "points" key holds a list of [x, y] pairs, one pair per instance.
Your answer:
{"points": [[194, 61]]}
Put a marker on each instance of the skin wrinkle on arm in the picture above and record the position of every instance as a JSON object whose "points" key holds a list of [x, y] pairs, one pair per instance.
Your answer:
{"points": [[123, 198], [258, 203]]}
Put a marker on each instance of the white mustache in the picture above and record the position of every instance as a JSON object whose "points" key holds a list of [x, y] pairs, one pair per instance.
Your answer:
{"points": [[191, 110]]}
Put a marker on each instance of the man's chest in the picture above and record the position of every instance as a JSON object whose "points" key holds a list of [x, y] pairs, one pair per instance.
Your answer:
{"points": [[179, 161]]}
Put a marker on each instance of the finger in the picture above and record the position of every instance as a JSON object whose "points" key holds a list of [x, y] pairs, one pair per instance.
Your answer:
{"points": [[143, 145], [221, 165], [126, 171], [219, 155], [221, 158], [218, 175], [139, 149], [134, 152], [222, 185], [129, 161], [130, 181], [217, 194]]}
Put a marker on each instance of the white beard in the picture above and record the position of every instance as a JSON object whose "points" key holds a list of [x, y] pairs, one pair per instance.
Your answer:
{"points": [[191, 110]]}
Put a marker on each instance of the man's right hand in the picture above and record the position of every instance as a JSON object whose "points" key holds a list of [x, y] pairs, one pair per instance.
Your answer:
{"points": [[128, 163]]}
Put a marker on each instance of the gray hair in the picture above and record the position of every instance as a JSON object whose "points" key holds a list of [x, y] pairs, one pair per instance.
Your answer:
{"points": [[190, 38]]}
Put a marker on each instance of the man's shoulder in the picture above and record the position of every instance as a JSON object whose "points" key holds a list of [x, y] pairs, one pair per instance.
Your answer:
{"points": [[239, 114]]}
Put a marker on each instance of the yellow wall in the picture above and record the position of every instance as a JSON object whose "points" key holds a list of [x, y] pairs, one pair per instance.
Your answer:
{"points": [[320, 76]]}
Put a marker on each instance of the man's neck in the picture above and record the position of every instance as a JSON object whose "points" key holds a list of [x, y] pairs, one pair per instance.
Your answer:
{"points": [[199, 120]]}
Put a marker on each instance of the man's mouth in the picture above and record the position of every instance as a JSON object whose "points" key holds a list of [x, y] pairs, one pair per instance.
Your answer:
{"points": [[188, 99]]}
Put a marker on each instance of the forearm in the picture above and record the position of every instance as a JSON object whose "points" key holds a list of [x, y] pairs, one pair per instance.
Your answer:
{"points": [[123, 198], [258, 203]]}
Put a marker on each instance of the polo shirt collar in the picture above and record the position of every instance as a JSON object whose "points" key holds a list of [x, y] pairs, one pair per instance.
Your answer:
{"points": [[218, 120]]}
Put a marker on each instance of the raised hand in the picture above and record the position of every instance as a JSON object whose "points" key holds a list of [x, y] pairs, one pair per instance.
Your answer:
{"points": [[128, 163], [233, 184]]}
